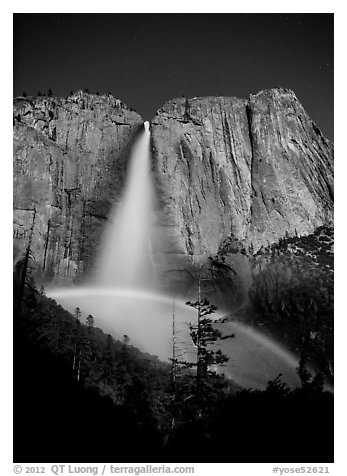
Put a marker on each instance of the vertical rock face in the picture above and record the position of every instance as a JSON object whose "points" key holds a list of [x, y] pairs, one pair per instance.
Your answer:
{"points": [[252, 169], [236, 175], [292, 169], [69, 164], [203, 158]]}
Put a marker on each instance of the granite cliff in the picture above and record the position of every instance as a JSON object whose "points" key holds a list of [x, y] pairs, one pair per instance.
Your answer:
{"points": [[237, 175], [233, 177], [70, 160], [248, 169]]}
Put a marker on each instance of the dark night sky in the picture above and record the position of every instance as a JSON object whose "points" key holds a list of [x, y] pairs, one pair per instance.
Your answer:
{"points": [[147, 59]]}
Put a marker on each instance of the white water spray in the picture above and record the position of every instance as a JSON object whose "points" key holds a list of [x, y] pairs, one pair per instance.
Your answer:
{"points": [[126, 258]]}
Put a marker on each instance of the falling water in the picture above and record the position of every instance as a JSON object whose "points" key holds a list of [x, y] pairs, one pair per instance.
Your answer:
{"points": [[125, 258], [123, 300]]}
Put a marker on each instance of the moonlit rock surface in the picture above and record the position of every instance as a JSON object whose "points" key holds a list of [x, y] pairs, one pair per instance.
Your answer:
{"points": [[256, 169], [69, 157]]}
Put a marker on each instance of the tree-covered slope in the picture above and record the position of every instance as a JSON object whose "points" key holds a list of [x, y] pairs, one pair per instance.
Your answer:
{"points": [[292, 296]]}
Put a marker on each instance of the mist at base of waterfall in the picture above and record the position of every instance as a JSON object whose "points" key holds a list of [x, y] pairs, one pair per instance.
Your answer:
{"points": [[147, 319]]}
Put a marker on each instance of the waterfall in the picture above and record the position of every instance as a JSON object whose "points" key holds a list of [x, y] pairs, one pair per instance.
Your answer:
{"points": [[125, 259]]}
